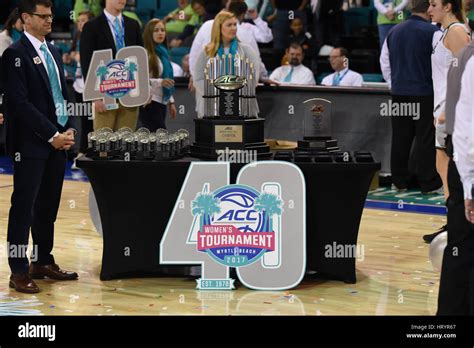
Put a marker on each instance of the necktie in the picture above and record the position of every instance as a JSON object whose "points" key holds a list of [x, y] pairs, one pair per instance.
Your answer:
{"points": [[58, 98], [337, 79], [289, 76], [118, 32]]}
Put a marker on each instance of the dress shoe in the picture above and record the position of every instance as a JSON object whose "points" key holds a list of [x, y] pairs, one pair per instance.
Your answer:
{"points": [[428, 238], [22, 282], [51, 271]]}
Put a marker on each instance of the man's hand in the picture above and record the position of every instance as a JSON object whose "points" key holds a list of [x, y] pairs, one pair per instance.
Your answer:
{"points": [[63, 142], [469, 210], [442, 118], [1, 118], [99, 106], [172, 110], [253, 13], [70, 135]]}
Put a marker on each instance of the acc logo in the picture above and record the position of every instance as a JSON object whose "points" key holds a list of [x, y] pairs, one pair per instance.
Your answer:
{"points": [[236, 226], [230, 82], [117, 78]]}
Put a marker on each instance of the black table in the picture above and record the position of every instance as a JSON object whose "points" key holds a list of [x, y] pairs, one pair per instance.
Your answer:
{"points": [[136, 199]]}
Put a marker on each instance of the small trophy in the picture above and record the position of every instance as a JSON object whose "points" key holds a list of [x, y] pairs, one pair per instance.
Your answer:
{"points": [[139, 145], [317, 127]]}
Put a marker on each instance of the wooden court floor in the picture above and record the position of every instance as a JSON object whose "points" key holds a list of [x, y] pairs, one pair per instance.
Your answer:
{"points": [[395, 276]]}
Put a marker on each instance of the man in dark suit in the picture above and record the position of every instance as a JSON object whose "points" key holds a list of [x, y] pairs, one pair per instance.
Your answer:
{"points": [[38, 135], [110, 30]]}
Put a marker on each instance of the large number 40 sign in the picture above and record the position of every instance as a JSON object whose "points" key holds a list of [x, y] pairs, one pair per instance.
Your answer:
{"points": [[260, 187], [126, 78]]}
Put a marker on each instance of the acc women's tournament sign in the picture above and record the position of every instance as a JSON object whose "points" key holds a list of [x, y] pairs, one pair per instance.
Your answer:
{"points": [[125, 78], [257, 225], [236, 224], [117, 78]]}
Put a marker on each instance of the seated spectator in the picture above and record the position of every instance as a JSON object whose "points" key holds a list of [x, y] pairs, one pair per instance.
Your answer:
{"points": [[294, 73], [281, 20], [177, 19], [11, 31], [298, 35], [69, 66], [302, 38], [195, 22], [342, 76], [390, 14], [185, 66]]}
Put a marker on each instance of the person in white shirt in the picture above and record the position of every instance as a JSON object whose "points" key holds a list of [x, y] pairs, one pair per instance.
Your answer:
{"points": [[177, 70], [246, 33], [447, 44], [342, 76], [295, 73], [223, 42], [11, 31], [153, 114]]}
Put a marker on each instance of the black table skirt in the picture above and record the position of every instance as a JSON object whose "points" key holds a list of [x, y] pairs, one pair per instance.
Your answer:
{"points": [[136, 199]]}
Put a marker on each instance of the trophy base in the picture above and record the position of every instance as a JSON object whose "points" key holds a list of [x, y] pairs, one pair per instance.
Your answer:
{"points": [[228, 139], [318, 144]]}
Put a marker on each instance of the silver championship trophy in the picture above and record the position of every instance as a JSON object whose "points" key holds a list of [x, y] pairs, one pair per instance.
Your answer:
{"points": [[230, 119]]}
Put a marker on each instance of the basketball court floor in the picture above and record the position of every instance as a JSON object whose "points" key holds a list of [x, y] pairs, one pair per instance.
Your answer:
{"points": [[394, 273]]}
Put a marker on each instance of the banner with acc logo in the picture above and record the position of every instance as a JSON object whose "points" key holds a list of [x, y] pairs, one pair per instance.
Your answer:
{"points": [[125, 78], [257, 226]]}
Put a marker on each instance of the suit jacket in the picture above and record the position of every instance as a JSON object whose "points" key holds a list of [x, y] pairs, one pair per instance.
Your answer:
{"points": [[30, 113], [96, 35]]}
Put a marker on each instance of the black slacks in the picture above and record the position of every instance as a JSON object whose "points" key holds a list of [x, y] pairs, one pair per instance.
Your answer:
{"points": [[456, 289], [85, 125], [153, 116], [404, 131], [37, 186]]}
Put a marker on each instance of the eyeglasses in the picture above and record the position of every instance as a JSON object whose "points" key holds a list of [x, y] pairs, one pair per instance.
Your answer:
{"points": [[44, 17]]}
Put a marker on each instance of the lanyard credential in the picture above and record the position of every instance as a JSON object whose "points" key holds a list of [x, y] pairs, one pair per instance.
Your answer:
{"points": [[337, 81]]}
